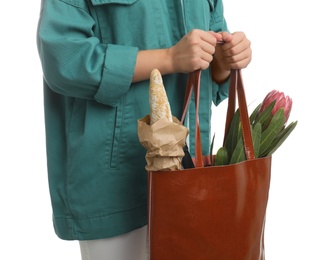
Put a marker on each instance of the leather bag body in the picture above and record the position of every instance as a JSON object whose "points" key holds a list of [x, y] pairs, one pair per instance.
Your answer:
{"points": [[211, 212]]}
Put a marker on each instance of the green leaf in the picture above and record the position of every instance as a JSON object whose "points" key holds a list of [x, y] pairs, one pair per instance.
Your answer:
{"points": [[233, 135], [211, 148], [281, 138], [254, 114], [239, 131], [238, 153], [265, 116], [268, 135], [256, 136], [221, 156]]}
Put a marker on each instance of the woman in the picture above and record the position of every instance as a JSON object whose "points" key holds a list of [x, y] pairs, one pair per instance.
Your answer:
{"points": [[97, 56]]}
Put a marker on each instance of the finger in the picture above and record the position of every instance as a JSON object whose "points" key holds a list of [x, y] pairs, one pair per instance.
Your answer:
{"points": [[226, 36], [238, 39], [222, 36], [207, 57], [239, 61], [237, 46], [196, 64], [208, 48], [204, 65], [208, 38], [237, 50], [218, 36], [242, 64], [239, 36], [197, 34]]}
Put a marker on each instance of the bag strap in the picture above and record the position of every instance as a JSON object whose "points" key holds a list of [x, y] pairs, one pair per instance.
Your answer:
{"points": [[236, 87], [193, 83]]}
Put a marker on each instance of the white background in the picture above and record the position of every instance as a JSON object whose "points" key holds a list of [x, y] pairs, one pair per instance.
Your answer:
{"points": [[289, 54]]}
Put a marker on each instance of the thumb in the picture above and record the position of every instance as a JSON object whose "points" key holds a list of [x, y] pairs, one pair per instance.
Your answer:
{"points": [[217, 35], [226, 36]]}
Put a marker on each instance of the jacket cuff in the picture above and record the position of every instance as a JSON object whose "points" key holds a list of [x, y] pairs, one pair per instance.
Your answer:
{"points": [[117, 74], [220, 92]]}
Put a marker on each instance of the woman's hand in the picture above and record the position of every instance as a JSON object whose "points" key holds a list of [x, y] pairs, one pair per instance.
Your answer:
{"points": [[234, 53], [194, 51], [197, 50]]}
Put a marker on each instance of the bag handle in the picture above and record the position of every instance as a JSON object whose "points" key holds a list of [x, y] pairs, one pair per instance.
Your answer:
{"points": [[193, 83], [236, 87]]}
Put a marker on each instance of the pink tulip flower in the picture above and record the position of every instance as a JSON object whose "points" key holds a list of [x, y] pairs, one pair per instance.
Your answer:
{"points": [[282, 101]]}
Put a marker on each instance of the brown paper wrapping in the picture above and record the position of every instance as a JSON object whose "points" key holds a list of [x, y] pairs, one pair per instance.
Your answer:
{"points": [[164, 142]]}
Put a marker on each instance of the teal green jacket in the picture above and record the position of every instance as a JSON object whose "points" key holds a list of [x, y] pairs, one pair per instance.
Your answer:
{"points": [[88, 49]]}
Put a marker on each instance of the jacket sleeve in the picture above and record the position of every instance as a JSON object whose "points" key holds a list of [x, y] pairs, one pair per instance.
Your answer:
{"points": [[218, 24], [74, 61]]}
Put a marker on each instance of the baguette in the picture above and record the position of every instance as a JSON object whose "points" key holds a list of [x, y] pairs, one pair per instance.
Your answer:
{"points": [[159, 104]]}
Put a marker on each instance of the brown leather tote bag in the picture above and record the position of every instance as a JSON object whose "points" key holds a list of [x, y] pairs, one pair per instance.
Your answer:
{"points": [[211, 212]]}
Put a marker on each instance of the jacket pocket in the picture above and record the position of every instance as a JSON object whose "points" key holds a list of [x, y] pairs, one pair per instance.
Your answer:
{"points": [[120, 21], [116, 134], [94, 136], [122, 2]]}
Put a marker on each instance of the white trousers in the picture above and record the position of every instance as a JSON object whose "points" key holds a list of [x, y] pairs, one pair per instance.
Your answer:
{"points": [[129, 246]]}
